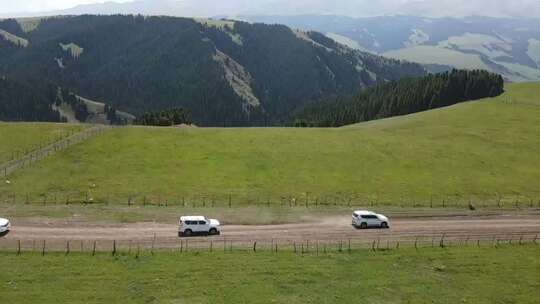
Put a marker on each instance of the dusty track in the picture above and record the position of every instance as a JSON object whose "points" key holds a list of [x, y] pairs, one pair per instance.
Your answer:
{"points": [[327, 230]]}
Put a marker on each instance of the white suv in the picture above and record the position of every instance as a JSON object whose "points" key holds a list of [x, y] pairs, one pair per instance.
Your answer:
{"points": [[366, 219], [192, 225], [5, 226]]}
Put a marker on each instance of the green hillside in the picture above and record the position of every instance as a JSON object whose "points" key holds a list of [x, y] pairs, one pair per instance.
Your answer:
{"points": [[19, 138], [477, 150], [224, 73]]}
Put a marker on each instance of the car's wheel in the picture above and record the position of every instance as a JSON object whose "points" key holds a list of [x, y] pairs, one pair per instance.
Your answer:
{"points": [[384, 225], [213, 231], [363, 226], [188, 232]]}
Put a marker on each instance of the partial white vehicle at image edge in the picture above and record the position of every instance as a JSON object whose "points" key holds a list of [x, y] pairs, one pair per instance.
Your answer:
{"points": [[5, 225], [363, 219], [198, 225]]}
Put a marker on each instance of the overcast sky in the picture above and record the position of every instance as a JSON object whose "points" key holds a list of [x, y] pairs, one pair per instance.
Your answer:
{"points": [[437, 8], [10, 6]]}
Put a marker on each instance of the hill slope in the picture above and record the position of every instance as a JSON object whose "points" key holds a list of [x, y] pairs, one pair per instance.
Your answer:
{"points": [[19, 138], [507, 46], [405, 96], [475, 150], [224, 72]]}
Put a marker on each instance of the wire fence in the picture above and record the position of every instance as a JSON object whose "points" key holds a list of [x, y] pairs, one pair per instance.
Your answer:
{"points": [[298, 246], [27, 158], [88, 198]]}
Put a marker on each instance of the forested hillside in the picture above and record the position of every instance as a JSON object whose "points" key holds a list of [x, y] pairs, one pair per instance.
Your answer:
{"points": [[402, 97], [224, 73], [20, 101]]}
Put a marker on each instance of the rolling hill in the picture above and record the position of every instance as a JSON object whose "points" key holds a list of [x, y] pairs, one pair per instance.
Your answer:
{"points": [[481, 150], [225, 73], [508, 46]]}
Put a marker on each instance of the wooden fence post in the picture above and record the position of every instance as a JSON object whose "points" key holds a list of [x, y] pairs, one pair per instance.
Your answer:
{"points": [[114, 248], [18, 247], [441, 243], [153, 243], [43, 249], [67, 247], [94, 249], [255, 246]]}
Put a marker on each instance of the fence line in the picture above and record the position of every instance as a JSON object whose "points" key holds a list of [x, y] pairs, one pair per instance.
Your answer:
{"points": [[31, 157], [298, 246], [86, 198]]}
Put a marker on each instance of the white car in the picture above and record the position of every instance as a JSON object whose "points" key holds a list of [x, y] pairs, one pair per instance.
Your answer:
{"points": [[364, 219], [198, 225], [5, 226]]}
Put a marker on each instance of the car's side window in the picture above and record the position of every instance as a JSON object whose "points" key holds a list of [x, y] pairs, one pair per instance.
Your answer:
{"points": [[202, 223]]}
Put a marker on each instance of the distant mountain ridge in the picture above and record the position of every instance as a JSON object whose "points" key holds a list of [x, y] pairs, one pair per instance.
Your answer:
{"points": [[225, 73], [510, 47], [353, 8]]}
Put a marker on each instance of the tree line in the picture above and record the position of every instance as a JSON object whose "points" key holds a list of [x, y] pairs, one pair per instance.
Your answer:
{"points": [[401, 97], [171, 117]]}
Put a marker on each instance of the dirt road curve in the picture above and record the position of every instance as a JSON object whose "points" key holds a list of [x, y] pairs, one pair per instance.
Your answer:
{"points": [[328, 230]]}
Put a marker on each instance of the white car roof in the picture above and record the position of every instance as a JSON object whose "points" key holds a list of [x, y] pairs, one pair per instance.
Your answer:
{"points": [[3, 221], [363, 212], [192, 218]]}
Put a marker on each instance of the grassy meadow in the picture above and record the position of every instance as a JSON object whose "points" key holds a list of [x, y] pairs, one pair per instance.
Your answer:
{"points": [[478, 150], [19, 138], [508, 274]]}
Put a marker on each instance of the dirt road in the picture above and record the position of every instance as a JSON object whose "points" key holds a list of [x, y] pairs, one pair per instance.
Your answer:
{"points": [[32, 233]]}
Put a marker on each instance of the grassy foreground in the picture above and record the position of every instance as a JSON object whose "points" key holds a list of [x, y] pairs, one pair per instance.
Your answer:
{"points": [[477, 150], [18, 138], [454, 275]]}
